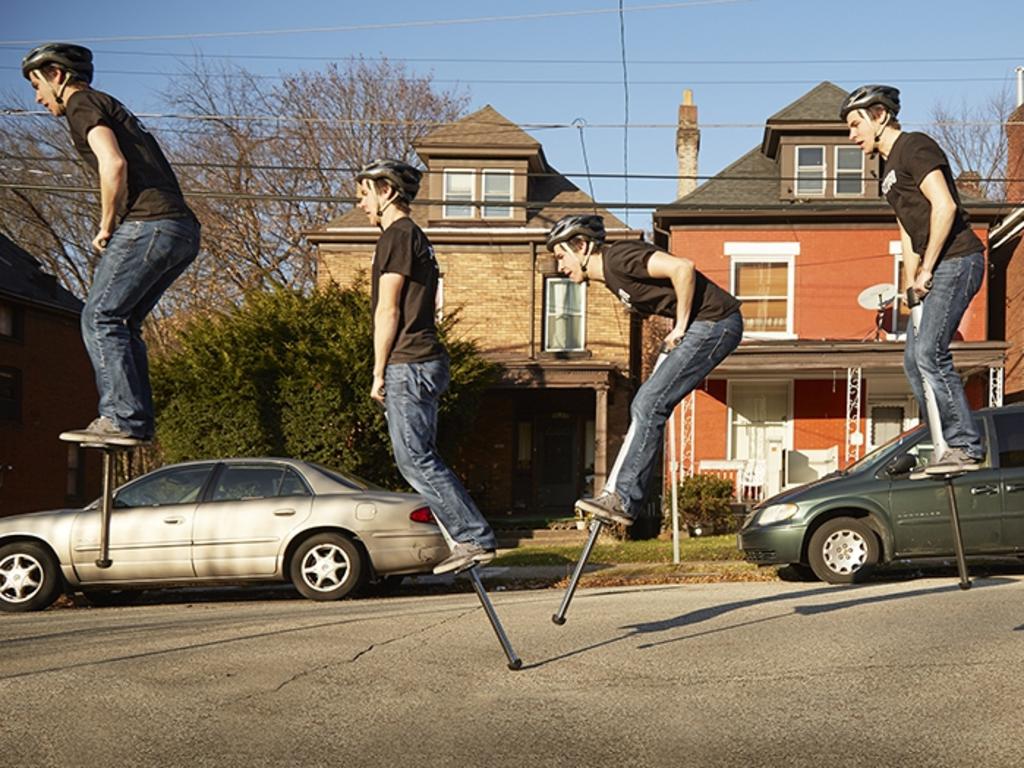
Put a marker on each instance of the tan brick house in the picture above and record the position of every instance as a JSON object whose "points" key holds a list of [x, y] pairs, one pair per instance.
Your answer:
{"points": [[550, 429]]}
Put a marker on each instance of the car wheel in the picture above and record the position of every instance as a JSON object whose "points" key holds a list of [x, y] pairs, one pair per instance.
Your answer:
{"points": [[30, 578], [843, 551], [327, 566], [106, 598]]}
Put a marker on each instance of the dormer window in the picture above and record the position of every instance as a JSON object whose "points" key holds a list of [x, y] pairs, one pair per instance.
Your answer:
{"points": [[810, 171], [497, 189], [849, 171], [492, 186], [458, 189]]}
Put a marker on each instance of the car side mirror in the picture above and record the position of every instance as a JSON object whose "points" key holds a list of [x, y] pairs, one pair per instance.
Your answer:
{"points": [[901, 465]]}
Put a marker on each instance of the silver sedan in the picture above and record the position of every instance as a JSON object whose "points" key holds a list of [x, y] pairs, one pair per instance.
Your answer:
{"points": [[208, 522]]}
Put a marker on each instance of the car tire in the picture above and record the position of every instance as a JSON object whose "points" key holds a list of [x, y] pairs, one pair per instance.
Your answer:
{"points": [[843, 551], [30, 578], [327, 566]]}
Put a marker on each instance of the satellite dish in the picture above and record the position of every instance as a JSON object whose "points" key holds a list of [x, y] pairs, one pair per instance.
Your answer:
{"points": [[877, 296]]}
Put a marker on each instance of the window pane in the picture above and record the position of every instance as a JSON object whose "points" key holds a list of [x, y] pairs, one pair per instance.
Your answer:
{"points": [[849, 159], [174, 486], [765, 315], [248, 482], [497, 186], [563, 316], [810, 156], [458, 185], [810, 183], [1010, 429], [847, 184], [762, 279], [292, 485]]}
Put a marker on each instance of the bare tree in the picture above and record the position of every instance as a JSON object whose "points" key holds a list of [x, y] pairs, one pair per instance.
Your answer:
{"points": [[274, 152], [974, 138]]}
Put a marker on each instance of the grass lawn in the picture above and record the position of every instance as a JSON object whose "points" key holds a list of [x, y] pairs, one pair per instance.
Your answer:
{"points": [[704, 548]]}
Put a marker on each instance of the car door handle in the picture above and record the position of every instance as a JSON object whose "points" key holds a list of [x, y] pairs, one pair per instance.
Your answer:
{"points": [[284, 512], [984, 490], [174, 520], [1013, 487]]}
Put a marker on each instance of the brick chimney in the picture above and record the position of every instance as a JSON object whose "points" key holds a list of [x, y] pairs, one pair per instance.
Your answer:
{"points": [[968, 184], [687, 145]]}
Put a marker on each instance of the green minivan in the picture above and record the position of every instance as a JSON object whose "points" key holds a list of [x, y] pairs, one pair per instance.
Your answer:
{"points": [[840, 526]]}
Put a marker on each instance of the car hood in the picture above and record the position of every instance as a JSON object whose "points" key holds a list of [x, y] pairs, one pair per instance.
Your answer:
{"points": [[30, 517], [801, 492]]}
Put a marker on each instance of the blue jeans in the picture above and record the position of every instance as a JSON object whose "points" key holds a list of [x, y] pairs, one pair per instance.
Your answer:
{"points": [[411, 395], [140, 262], [954, 283], [675, 375]]}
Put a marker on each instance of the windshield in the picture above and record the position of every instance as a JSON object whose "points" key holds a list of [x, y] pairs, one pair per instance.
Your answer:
{"points": [[870, 457]]}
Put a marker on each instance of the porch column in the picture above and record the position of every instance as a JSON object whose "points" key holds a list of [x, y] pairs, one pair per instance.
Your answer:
{"points": [[600, 438]]}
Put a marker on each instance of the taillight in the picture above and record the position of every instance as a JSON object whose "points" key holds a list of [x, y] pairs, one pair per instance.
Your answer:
{"points": [[422, 515]]}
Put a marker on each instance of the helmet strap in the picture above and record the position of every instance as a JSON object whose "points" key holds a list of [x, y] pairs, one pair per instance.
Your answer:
{"points": [[588, 251]]}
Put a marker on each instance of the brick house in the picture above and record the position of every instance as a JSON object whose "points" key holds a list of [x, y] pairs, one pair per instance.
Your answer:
{"points": [[46, 386], [797, 228], [548, 432]]}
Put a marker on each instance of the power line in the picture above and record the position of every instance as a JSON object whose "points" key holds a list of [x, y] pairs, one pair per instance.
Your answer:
{"points": [[635, 62], [548, 81], [387, 25], [530, 126]]}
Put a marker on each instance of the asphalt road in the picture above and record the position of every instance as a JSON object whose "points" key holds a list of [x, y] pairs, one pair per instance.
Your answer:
{"points": [[917, 673]]}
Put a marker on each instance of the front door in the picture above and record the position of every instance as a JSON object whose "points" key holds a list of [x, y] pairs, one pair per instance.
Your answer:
{"points": [[760, 413], [150, 528], [921, 513], [558, 463]]}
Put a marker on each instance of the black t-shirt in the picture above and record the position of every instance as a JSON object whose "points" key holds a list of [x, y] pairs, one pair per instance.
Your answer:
{"points": [[405, 250], [914, 156], [153, 191], [626, 275]]}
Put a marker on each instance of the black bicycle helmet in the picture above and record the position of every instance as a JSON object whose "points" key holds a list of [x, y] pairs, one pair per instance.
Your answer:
{"points": [[401, 176], [76, 60], [568, 227], [869, 95]]}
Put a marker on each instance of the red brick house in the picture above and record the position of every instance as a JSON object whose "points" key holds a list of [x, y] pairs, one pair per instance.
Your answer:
{"points": [[550, 430], [798, 230], [46, 386]]}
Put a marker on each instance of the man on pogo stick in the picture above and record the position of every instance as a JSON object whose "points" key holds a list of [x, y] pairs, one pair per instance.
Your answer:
{"points": [[708, 327], [410, 365], [146, 238], [943, 261]]}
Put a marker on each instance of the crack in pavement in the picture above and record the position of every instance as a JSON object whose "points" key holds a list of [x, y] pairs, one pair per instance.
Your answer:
{"points": [[367, 649]]}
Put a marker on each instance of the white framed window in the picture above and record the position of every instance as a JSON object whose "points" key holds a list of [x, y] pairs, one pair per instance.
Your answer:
{"points": [[458, 193], [900, 310], [565, 309], [497, 189], [810, 171], [762, 276], [849, 171]]}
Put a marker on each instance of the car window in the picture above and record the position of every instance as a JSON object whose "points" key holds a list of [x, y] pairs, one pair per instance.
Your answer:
{"points": [[1010, 433], [922, 453], [239, 482], [179, 485]]}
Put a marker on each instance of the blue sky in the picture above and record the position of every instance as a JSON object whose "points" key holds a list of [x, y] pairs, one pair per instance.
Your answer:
{"points": [[744, 60]]}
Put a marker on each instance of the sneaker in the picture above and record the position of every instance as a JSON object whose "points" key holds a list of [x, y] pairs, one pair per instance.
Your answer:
{"points": [[464, 555], [606, 508], [954, 461], [101, 431]]}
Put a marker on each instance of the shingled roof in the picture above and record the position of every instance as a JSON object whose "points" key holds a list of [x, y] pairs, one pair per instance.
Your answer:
{"points": [[486, 126], [819, 105], [22, 278]]}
